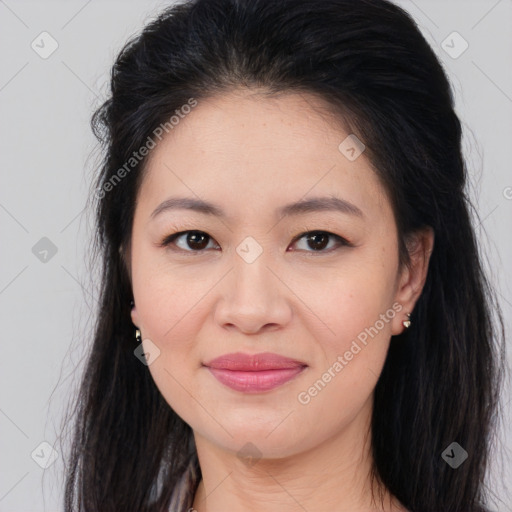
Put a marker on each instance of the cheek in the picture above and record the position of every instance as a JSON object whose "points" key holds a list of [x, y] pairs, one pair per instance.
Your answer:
{"points": [[171, 318], [359, 312], [168, 295], [351, 301], [356, 304]]}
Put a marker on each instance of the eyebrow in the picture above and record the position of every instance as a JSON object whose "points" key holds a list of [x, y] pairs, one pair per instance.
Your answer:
{"points": [[315, 204]]}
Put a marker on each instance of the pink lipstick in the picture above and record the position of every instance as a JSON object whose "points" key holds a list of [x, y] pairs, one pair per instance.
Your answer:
{"points": [[254, 373]]}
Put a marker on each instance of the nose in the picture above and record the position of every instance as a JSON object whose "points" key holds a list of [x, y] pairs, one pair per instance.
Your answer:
{"points": [[253, 298]]}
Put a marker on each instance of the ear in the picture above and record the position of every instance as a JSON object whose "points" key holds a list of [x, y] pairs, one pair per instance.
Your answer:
{"points": [[135, 317], [420, 245]]}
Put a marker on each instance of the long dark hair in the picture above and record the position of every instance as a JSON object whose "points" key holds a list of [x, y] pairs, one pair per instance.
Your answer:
{"points": [[369, 61]]}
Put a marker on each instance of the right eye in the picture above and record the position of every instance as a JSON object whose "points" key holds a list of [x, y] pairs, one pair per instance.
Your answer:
{"points": [[196, 241]]}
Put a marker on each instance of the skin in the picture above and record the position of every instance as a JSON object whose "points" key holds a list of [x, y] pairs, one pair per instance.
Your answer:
{"points": [[251, 154]]}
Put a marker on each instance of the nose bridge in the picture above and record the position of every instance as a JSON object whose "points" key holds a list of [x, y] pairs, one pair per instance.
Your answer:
{"points": [[253, 281], [251, 296]]}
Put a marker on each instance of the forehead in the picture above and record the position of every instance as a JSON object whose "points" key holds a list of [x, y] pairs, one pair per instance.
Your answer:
{"points": [[280, 121], [249, 148]]}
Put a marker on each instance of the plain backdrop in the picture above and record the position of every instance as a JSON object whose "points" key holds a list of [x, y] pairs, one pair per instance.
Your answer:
{"points": [[48, 293]]}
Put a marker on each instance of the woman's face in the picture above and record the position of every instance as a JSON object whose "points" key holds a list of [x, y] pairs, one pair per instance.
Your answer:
{"points": [[248, 284]]}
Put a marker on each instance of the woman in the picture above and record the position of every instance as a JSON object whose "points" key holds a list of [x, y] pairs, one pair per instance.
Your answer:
{"points": [[293, 311]]}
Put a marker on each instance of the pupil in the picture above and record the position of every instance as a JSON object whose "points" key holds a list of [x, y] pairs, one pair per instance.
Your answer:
{"points": [[193, 240], [316, 242]]}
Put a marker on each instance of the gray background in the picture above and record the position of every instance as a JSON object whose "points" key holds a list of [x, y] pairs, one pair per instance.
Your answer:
{"points": [[48, 158]]}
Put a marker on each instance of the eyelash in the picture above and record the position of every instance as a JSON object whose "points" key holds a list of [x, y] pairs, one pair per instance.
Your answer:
{"points": [[342, 242]]}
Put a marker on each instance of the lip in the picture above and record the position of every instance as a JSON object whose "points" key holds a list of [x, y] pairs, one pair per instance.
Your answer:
{"points": [[254, 373], [238, 361]]}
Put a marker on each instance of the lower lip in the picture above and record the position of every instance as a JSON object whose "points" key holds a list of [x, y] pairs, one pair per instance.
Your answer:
{"points": [[254, 382]]}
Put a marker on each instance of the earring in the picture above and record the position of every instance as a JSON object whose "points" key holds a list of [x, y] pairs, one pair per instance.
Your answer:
{"points": [[407, 323], [138, 337], [132, 303]]}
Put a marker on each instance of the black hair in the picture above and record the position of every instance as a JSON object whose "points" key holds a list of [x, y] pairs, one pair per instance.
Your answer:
{"points": [[368, 61]]}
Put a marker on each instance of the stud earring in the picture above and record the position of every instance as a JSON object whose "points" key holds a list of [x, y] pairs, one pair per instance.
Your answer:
{"points": [[407, 323], [138, 337]]}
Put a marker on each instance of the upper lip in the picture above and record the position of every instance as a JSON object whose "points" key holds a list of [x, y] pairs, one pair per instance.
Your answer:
{"points": [[257, 362]]}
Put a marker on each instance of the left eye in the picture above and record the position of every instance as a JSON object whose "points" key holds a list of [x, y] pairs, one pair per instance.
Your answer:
{"points": [[318, 240], [198, 240]]}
